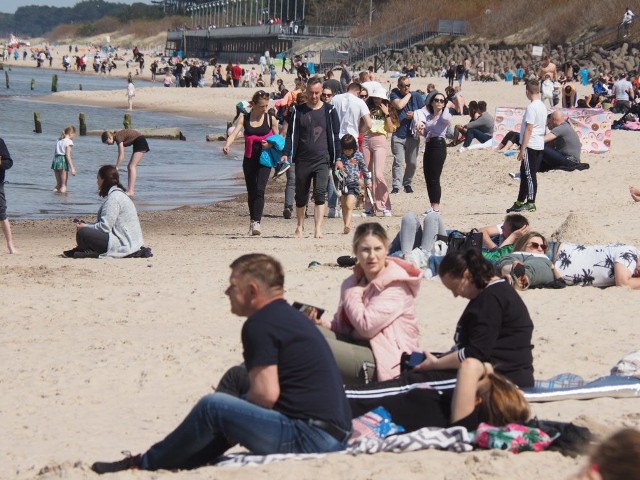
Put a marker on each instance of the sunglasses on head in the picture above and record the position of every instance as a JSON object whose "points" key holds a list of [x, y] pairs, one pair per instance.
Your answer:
{"points": [[537, 245]]}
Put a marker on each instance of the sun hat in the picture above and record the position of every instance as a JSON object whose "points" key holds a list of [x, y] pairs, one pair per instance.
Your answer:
{"points": [[379, 92]]}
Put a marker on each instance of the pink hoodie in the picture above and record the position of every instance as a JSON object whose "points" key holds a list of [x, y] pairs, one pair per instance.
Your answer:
{"points": [[382, 312]]}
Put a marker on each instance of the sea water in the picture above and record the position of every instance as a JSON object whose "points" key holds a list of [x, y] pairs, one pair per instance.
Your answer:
{"points": [[172, 174]]}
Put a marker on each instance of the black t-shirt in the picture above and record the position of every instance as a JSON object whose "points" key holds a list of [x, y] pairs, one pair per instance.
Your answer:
{"points": [[496, 327], [312, 144], [310, 383]]}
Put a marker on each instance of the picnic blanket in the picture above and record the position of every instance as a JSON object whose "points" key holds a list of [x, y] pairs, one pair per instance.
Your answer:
{"points": [[593, 125], [611, 386]]}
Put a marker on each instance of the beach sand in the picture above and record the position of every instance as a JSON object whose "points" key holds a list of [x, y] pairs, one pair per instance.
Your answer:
{"points": [[101, 356]]}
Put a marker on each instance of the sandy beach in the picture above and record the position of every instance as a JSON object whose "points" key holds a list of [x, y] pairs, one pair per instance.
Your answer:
{"points": [[102, 356]]}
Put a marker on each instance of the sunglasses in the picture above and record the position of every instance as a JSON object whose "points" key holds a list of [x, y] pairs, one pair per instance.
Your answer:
{"points": [[536, 245], [438, 100], [327, 94], [405, 85]]}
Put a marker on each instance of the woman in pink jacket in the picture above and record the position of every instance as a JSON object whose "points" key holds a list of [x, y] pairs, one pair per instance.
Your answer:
{"points": [[376, 319]]}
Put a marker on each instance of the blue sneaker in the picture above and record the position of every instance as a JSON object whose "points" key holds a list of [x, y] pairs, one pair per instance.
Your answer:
{"points": [[281, 168]]}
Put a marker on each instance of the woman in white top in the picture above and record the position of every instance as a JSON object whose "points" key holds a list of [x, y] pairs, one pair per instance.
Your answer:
{"points": [[62, 161]]}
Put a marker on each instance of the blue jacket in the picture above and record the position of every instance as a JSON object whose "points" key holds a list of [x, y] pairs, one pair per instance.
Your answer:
{"points": [[333, 132], [270, 157]]}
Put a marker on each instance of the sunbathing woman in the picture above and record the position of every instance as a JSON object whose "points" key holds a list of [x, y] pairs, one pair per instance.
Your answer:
{"points": [[480, 395], [528, 265], [376, 318]]}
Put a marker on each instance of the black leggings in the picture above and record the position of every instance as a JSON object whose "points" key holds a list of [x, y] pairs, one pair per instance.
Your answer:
{"points": [[513, 137], [89, 238], [435, 153], [256, 177], [528, 175]]}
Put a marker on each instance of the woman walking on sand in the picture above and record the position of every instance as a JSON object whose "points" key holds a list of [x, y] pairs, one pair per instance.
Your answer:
{"points": [[125, 138], [62, 161]]}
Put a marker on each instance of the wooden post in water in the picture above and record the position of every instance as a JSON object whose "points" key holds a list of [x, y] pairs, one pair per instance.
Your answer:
{"points": [[37, 122], [54, 83], [83, 125], [81, 87], [33, 84], [6, 78], [127, 121]]}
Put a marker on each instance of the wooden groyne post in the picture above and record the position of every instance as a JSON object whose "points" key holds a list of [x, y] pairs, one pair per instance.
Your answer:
{"points": [[54, 83], [33, 84], [6, 78], [37, 122], [127, 121], [83, 124]]}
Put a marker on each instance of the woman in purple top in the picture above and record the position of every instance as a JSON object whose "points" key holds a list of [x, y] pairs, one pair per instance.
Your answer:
{"points": [[432, 122]]}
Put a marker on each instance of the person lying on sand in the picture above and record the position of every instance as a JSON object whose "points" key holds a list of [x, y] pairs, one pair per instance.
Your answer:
{"points": [[635, 193]]}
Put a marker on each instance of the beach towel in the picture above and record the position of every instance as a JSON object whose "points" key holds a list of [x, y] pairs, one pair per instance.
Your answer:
{"points": [[593, 125], [610, 386], [453, 439]]}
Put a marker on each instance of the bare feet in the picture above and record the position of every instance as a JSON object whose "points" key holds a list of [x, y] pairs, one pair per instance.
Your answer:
{"points": [[346, 230], [317, 234], [63, 190], [12, 249], [635, 193], [57, 190], [299, 232]]}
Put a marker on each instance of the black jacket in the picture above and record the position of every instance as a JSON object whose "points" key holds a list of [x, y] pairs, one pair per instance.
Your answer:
{"points": [[6, 162]]}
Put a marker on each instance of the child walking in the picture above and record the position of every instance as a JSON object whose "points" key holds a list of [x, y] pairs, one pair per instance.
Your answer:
{"points": [[62, 161], [350, 164]]}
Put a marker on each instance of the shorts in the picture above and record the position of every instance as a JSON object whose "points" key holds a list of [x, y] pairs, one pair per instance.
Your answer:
{"points": [[60, 163], [140, 145], [352, 189], [306, 173], [3, 203]]}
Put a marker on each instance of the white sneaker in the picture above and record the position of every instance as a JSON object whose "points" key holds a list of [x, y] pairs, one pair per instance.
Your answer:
{"points": [[431, 210], [387, 213], [255, 228], [418, 257], [334, 213], [462, 149]]}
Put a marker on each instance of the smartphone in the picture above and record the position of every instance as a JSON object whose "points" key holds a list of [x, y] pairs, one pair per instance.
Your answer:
{"points": [[307, 309]]}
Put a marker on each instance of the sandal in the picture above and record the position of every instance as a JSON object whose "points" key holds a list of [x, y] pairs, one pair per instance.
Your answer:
{"points": [[519, 276]]}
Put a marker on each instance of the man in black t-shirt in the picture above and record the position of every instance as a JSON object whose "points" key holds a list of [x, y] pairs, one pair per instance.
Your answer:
{"points": [[295, 403]]}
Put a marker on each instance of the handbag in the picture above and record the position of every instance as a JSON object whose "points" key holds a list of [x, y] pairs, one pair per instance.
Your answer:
{"points": [[457, 241]]}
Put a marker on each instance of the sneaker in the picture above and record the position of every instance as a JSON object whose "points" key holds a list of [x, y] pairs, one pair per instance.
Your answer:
{"points": [[334, 213], [255, 228], [418, 257], [395, 190], [287, 212], [86, 254], [368, 213], [347, 261], [515, 175], [281, 168], [431, 210], [387, 213], [127, 463], [462, 149], [522, 207], [408, 189]]}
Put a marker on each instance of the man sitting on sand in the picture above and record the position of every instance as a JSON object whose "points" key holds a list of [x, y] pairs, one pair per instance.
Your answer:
{"points": [[295, 403], [480, 129], [562, 145]]}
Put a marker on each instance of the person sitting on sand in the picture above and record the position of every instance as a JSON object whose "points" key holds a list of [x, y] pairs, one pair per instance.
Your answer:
{"points": [[116, 232], [480, 128], [480, 395], [457, 104], [295, 400], [528, 265], [508, 141], [376, 318], [125, 138]]}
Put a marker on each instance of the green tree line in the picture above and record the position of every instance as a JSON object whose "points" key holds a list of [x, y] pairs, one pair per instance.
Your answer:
{"points": [[35, 21]]}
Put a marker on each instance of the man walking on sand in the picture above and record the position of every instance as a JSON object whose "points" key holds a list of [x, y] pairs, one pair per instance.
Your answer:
{"points": [[404, 145], [532, 133], [295, 403], [313, 144]]}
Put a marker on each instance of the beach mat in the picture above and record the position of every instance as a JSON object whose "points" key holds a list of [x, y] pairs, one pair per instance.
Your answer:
{"points": [[610, 386]]}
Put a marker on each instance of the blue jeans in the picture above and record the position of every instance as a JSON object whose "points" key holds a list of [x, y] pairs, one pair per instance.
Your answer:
{"points": [[218, 420], [477, 134]]}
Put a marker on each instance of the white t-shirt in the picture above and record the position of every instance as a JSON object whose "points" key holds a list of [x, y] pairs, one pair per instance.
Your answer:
{"points": [[547, 88], [536, 115], [350, 110], [131, 90], [593, 264], [61, 146], [622, 87]]}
